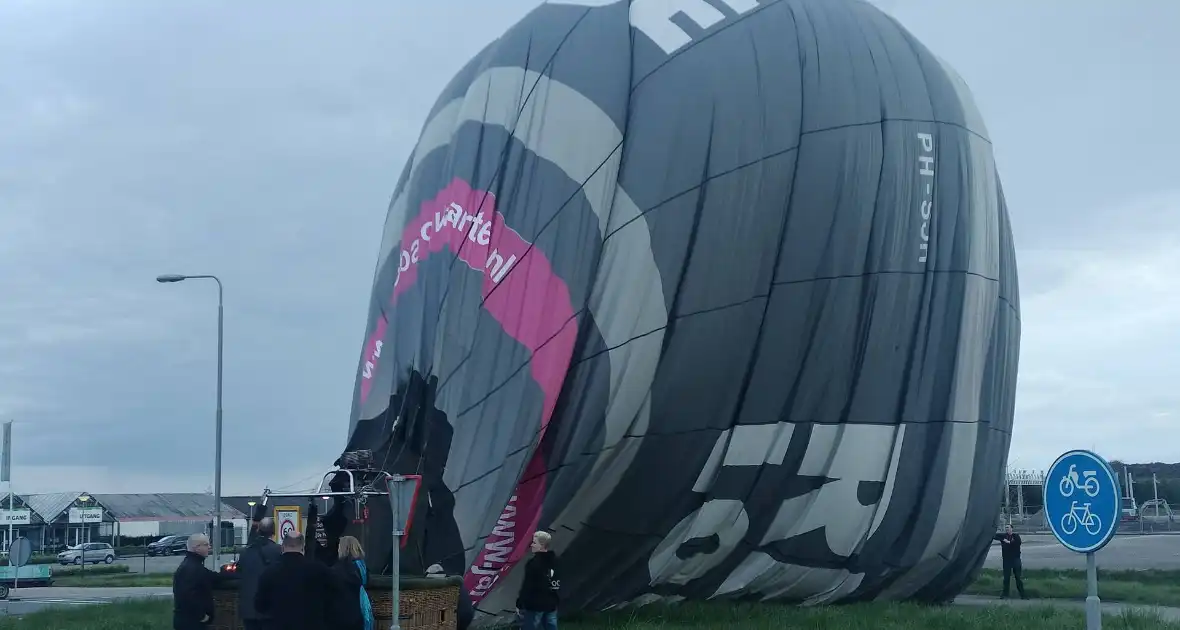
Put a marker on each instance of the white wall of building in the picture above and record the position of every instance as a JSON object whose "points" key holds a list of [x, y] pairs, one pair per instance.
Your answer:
{"points": [[135, 529]]}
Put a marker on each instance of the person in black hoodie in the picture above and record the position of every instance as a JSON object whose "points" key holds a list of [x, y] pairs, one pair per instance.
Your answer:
{"points": [[192, 587], [536, 605], [260, 553], [1010, 554], [332, 524]]}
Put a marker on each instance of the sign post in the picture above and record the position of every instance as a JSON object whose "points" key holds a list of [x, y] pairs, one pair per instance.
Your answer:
{"points": [[19, 552], [6, 475], [1082, 507], [403, 495]]}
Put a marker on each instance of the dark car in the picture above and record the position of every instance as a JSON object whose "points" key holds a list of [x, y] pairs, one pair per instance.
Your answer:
{"points": [[168, 545]]}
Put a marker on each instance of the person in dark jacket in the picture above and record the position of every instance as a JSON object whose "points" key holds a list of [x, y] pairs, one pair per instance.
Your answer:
{"points": [[324, 532], [260, 553], [192, 587], [296, 592], [1010, 554], [536, 605], [352, 609]]}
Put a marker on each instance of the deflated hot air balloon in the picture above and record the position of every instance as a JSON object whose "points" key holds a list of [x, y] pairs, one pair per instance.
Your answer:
{"points": [[722, 294]]}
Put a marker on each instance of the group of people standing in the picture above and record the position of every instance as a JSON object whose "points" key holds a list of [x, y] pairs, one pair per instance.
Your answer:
{"points": [[280, 587]]}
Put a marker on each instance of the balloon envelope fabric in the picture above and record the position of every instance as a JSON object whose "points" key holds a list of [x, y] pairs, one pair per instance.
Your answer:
{"points": [[722, 293]]}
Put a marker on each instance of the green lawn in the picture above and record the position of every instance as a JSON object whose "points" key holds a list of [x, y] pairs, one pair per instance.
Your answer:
{"points": [[1161, 588], [1132, 587], [156, 615], [109, 580], [107, 575]]}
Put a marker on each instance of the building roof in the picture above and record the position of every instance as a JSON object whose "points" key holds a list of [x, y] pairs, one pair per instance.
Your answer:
{"points": [[50, 506], [181, 506], [241, 504]]}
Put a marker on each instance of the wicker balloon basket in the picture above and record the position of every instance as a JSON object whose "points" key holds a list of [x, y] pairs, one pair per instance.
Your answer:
{"points": [[426, 603]]}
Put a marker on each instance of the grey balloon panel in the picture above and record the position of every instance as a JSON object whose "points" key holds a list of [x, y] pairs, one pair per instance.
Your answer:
{"points": [[791, 264]]}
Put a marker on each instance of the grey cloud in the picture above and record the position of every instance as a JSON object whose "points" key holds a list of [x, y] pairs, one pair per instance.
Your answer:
{"points": [[261, 141]]}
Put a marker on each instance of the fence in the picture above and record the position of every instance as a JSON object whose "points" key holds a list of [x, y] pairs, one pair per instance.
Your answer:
{"points": [[1023, 507]]}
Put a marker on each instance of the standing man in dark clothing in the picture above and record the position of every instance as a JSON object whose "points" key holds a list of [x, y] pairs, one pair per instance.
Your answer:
{"points": [[1010, 553], [331, 525], [260, 553], [192, 587], [536, 605], [296, 593]]}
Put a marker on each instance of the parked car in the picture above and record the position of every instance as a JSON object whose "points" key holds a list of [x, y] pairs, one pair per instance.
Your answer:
{"points": [[168, 545], [1130, 511], [90, 553]]}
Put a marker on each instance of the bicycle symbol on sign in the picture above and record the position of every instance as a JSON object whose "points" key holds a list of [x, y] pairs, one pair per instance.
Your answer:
{"points": [[1069, 483], [1080, 515]]}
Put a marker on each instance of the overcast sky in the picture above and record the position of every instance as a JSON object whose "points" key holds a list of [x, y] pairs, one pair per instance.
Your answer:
{"points": [[261, 142]]}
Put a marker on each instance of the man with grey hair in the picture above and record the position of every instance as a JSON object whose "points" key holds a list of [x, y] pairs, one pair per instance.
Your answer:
{"points": [[192, 587], [297, 591], [261, 552]]}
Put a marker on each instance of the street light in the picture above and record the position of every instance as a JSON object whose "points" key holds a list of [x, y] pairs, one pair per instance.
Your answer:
{"points": [[84, 529], [216, 537], [250, 528]]}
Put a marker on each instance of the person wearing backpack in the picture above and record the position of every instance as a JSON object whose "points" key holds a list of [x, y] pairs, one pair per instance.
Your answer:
{"points": [[536, 605], [261, 552]]}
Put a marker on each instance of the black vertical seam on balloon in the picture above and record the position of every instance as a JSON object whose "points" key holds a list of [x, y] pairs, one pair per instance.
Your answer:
{"points": [[751, 538], [793, 392], [748, 377], [694, 232], [503, 160], [868, 289], [907, 383], [589, 296]]}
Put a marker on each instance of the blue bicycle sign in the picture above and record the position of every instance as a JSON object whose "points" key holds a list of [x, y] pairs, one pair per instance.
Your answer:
{"points": [[1082, 502]]}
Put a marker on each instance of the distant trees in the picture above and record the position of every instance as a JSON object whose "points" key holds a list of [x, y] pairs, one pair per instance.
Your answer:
{"points": [[1167, 480]]}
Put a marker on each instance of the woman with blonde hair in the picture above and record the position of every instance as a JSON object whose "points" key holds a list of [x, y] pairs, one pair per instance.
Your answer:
{"points": [[353, 610]]}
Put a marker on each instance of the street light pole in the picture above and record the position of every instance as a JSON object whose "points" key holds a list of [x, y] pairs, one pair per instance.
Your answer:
{"points": [[215, 538]]}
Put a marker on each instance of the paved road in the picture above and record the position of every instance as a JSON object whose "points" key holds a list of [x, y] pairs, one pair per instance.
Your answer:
{"points": [[158, 564], [1040, 551]]}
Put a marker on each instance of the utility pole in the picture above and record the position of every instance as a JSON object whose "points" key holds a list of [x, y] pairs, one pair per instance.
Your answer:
{"points": [[6, 475], [1155, 494]]}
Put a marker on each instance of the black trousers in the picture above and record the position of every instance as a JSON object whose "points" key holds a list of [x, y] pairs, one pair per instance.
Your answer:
{"points": [[1012, 569], [256, 624]]}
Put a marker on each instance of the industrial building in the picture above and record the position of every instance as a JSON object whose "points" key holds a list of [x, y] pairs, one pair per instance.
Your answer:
{"points": [[57, 520], [155, 515]]}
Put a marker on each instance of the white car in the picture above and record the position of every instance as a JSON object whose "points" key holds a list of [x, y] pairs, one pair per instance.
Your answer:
{"points": [[90, 553]]}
